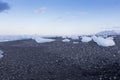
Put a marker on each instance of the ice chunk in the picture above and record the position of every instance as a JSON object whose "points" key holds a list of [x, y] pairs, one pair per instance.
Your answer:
{"points": [[42, 40], [1, 53], [75, 42], [104, 41], [36, 38], [66, 40], [13, 37], [86, 39], [74, 37], [64, 36]]}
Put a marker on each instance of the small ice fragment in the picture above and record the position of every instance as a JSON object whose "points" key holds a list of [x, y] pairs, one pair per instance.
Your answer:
{"points": [[75, 42], [1, 53], [66, 40]]}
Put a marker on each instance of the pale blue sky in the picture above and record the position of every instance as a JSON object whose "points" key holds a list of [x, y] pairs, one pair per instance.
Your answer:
{"points": [[51, 17]]}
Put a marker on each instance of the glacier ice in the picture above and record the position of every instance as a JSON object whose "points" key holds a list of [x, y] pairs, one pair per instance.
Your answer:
{"points": [[86, 39]]}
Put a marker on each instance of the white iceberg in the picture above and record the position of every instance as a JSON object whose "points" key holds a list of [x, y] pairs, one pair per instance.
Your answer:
{"points": [[74, 37], [13, 38], [1, 53], [38, 39], [42, 40], [86, 39], [104, 41], [75, 42], [64, 36], [66, 40]]}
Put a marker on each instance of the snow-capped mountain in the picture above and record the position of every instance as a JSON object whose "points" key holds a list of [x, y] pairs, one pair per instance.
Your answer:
{"points": [[109, 32]]}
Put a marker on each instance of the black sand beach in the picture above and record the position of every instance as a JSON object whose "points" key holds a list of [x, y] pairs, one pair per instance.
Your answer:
{"points": [[28, 60]]}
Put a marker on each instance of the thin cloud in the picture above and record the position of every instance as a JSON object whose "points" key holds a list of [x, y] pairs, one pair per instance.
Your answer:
{"points": [[4, 6], [40, 10], [110, 28], [59, 18]]}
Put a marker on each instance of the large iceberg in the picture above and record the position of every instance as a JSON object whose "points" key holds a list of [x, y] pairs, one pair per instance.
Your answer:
{"points": [[6, 38], [103, 41], [42, 40], [38, 39]]}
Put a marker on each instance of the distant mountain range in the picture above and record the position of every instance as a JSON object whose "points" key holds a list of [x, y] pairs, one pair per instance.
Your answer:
{"points": [[109, 32]]}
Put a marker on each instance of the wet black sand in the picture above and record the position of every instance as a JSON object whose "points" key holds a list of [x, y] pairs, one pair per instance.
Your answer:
{"points": [[28, 60]]}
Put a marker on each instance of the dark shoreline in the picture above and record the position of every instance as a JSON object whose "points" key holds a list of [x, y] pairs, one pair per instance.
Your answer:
{"points": [[28, 60]]}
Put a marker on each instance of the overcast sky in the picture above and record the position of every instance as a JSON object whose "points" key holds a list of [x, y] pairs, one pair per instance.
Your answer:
{"points": [[52, 17]]}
